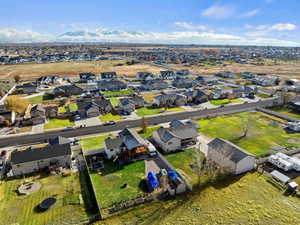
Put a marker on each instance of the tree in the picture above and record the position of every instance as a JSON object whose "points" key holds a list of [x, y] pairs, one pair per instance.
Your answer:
{"points": [[16, 104], [17, 78], [144, 124]]}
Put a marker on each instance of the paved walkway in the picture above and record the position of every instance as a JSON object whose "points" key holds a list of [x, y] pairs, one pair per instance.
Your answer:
{"points": [[39, 128], [88, 122]]}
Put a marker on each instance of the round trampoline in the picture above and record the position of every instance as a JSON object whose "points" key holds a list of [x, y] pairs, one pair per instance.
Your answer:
{"points": [[28, 188], [47, 203]]}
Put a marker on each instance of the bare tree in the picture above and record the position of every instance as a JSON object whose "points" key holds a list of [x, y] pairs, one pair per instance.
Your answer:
{"points": [[144, 124], [17, 78]]}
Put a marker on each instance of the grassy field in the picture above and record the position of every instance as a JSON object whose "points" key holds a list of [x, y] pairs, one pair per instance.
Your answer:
{"points": [[148, 133], [148, 111], [73, 107], [247, 200], [39, 99], [58, 123], [119, 93], [93, 143], [225, 101], [27, 71], [109, 116], [263, 132], [108, 185], [21, 210], [182, 162], [286, 111]]}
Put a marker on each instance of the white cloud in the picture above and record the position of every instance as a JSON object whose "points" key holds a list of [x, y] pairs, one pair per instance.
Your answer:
{"points": [[104, 35], [274, 27], [269, 1], [218, 11], [283, 27], [189, 26], [250, 13]]}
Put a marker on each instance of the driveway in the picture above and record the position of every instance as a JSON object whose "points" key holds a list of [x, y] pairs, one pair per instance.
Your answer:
{"points": [[88, 122], [39, 128]]}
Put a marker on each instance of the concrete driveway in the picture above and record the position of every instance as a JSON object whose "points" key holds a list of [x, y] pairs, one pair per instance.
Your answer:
{"points": [[39, 128], [88, 122]]}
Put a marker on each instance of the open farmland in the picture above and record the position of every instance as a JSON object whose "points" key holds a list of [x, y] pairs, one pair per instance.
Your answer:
{"points": [[27, 71], [246, 200], [287, 70]]}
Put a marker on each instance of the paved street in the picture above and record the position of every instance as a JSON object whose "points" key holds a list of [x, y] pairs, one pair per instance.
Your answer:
{"points": [[37, 138]]}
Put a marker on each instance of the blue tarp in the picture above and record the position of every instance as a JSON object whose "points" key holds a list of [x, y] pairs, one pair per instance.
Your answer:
{"points": [[152, 180], [173, 174]]}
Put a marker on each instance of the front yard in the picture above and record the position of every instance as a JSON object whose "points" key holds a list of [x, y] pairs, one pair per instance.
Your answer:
{"points": [[109, 185], [118, 93], [148, 111], [58, 123], [263, 132], [219, 102], [21, 209], [93, 143], [109, 116]]}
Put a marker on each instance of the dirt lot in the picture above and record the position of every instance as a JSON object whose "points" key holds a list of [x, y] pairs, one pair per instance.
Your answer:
{"points": [[27, 71], [287, 69]]}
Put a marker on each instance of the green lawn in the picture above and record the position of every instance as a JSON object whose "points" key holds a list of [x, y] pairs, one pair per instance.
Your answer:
{"points": [[73, 107], [286, 111], [118, 93], [148, 111], [263, 95], [62, 109], [225, 101], [263, 132], [15, 209], [109, 116], [107, 186], [149, 132], [183, 161], [58, 123], [114, 101], [177, 109], [93, 143], [39, 99]]}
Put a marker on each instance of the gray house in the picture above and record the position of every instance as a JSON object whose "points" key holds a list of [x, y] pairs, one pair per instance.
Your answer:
{"points": [[94, 108], [34, 159], [108, 75], [130, 104], [177, 137], [196, 96], [183, 83], [170, 100], [167, 75], [27, 88], [144, 76], [111, 85], [229, 156], [149, 85], [67, 91]]}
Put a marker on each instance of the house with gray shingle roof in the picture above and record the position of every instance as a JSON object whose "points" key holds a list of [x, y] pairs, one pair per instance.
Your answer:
{"points": [[176, 137], [230, 157]]}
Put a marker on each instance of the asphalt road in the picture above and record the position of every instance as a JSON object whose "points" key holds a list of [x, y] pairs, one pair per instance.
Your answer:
{"points": [[42, 137]]}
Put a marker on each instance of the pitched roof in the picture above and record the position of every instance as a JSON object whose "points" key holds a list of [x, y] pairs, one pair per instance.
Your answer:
{"points": [[112, 143], [179, 131], [34, 154], [131, 139], [228, 149], [59, 140]]}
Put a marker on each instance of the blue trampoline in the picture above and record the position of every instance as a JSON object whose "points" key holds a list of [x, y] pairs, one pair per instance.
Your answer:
{"points": [[152, 180], [173, 174]]}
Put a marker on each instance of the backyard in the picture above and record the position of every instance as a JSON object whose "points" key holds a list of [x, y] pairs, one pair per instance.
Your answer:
{"points": [[262, 134], [246, 200], [39, 99], [108, 117], [58, 123], [114, 101], [108, 185], [93, 143], [21, 209]]}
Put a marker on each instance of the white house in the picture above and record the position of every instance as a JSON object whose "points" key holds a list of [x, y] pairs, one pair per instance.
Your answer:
{"points": [[229, 156]]}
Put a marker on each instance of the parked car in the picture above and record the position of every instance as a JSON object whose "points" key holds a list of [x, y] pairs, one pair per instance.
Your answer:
{"points": [[111, 122], [68, 128], [77, 117]]}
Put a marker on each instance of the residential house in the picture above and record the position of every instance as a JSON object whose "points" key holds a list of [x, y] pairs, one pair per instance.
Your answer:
{"points": [[170, 100], [108, 75], [49, 80], [27, 88], [196, 96], [230, 157], [67, 91], [93, 108], [205, 80], [87, 77], [111, 85], [127, 147], [248, 75], [183, 83], [35, 114], [266, 81], [150, 85], [176, 137], [295, 105], [144, 76], [35, 159], [167, 75], [225, 74], [250, 91], [182, 74], [129, 105]]}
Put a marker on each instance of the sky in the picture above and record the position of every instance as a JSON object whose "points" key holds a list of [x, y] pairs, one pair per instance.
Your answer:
{"points": [[228, 22]]}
